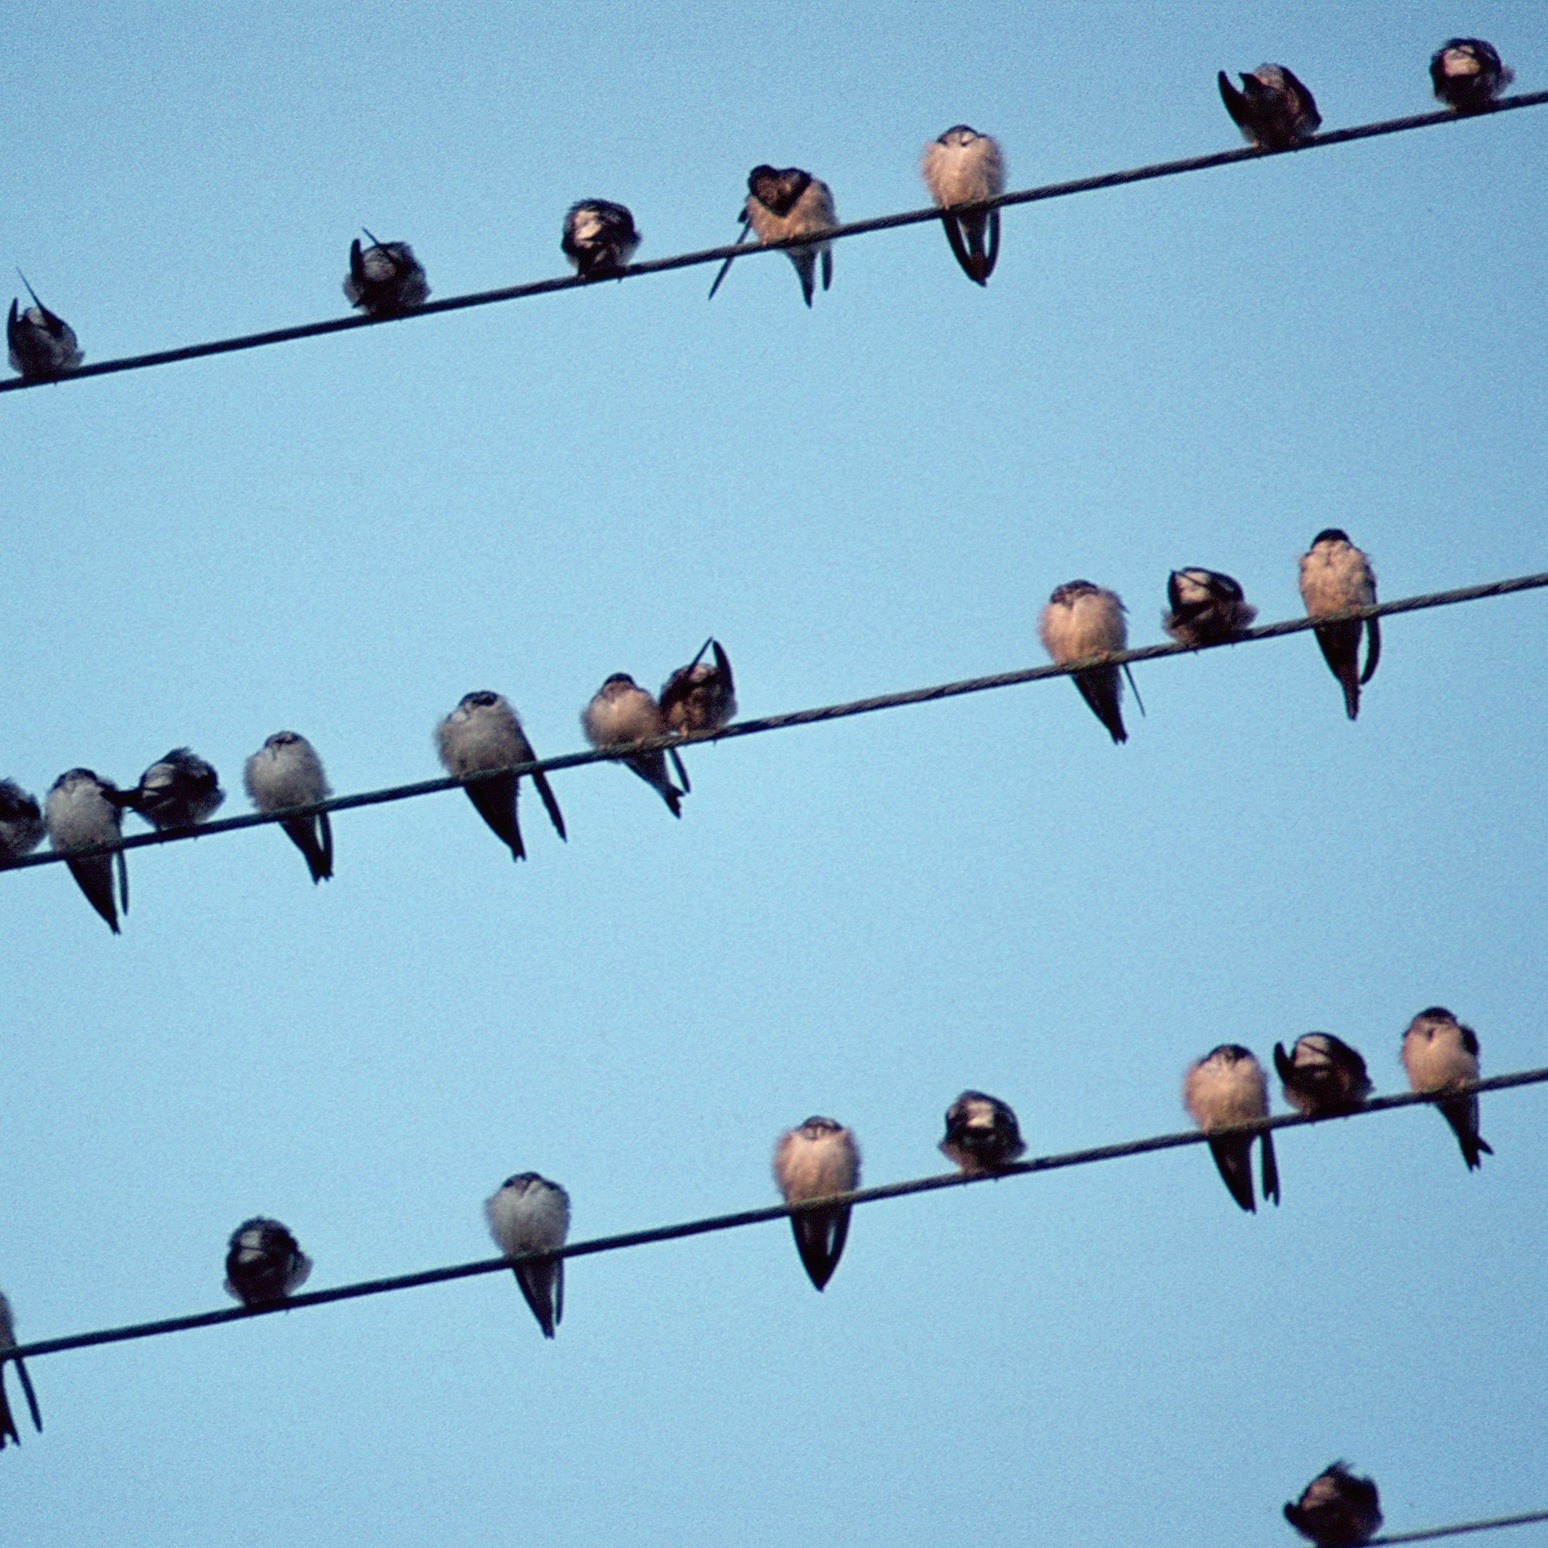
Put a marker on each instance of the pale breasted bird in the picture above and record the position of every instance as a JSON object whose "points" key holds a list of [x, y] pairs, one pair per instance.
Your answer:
{"points": [[982, 1134], [1467, 74], [80, 811], [21, 822], [966, 167], [177, 791], [1084, 620], [8, 1431], [817, 1159], [286, 772], [1336, 576], [264, 1262], [1337, 1510], [1322, 1075], [1439, 1052], [1227, 1086], [787, 203], [1205, 608], [1273, 109], [530, 1214], [384, 279], [484, 732], [599, 237], [42, 344], [622, 712]]}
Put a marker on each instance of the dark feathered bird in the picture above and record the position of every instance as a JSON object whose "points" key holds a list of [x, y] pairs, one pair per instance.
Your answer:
{"points": [[1273, 109], [1337, 1510], [1467, 74], [1322, 1075], [42, 344], [599, 237], [786, 203], [1207, 608], [264, 1262], [177, 791], [982, 1134], [385, 279]]}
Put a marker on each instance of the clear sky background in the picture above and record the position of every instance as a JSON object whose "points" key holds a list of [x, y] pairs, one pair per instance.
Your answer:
{"points": [[345, 535]]}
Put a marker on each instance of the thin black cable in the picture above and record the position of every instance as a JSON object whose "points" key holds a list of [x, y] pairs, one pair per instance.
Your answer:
{"points": [[1488, 1524], [719, 254]]}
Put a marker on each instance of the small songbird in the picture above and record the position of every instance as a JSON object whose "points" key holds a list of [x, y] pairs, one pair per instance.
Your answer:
{"points": [[42, 344], [1468, 75], [79, 811], [1273, 110], [484, 732], [264, 1262], [1322, 1075], [21, 822], [385, 279], [1336, 576], [785, 204], [818, 1159], [8, 1430], [700, 696], [1227, 1086], [1084, 620], [177, 791], [531, 1214], [1206, 608], [1438, 1052], [982, 1134], [285, 772], [599, 237], [622, 712], [1337, 1510], [966, 167]]}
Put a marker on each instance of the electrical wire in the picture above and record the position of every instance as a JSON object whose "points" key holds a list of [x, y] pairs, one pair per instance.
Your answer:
{"points": [[1488, 1524]]}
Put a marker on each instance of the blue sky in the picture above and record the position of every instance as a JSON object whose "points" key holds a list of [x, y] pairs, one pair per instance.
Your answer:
{"points": [[345, 535]]}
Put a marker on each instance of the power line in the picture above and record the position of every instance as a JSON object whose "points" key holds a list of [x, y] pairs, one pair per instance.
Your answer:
{"points": [[1488, 1524], [747, 1217], [719, 254], [806, 717]]}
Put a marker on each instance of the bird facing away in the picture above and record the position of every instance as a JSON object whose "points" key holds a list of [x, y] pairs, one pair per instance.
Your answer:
{"points": [[264, 1262], [21, 822], [484, 732], [1322, 1075], [177, 791], [599, 237], [285, 772], [8, 1430], [1438, 1052], [42, 344], [1084, 620], [530, 1214], [622, 712], [1337, 1510], [982, 1134], [79, 811], [1336, 576], [966, 167], [818, 1159], [1205, 608], [1273, 109], [384, 279], [702, 695], [1467, 74], [1227, 1086], [782, 204]]}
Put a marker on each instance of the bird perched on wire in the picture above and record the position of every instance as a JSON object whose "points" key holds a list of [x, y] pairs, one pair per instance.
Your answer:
{"points": [[1084, 620], [1206, 608], [1274, 110], [42, 344], [264, 1262], [80, 811], [484, 732], [966, 167], [286, 772], [384, 279], [599, 237], [177, 791], [813, 1161], [982, 1134], [1468, 75], [1322, 1075], [1336, 1509], [702, 695], [530, 1214], [8, 1431], [1336, 576], [1225, 1087], [1438, 1053], [787, 203], [21, 822], [622, 712]]}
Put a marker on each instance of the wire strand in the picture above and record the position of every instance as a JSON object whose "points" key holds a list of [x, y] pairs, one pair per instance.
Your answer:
{"points": [[1488, 1524]]}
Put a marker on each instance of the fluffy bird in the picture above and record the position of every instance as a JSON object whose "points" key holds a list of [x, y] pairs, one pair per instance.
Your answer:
{"points": [[1274, 110], [42, 344], [813, 1161], [982, 1134], [1227, 1086], [384, 279], [702, 695], [484, 732], [79, 811], [1336, 576], [1084, 620], [286, 772], [21, 822], [1468, 75], [1322, 1075], [782, 204], [966, 167], [622, 712], [8, 1431], [1205, 608], [264, 1262], [599, 237], [530, 1214], [1439, 1052], [177, 791], [1337, 1510]]}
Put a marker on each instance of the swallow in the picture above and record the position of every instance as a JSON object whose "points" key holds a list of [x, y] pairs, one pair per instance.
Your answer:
{"points": [[702, 695], [530, 1214], [21, 822], [1335, 575], [818, 1159], [264, 1262], [8, 1430], [385, 279], [42, 344], [82, 810], [785, 204], [966, 167], [622, 712], [1084, 620], [1273, 110], [285, 772], [1227, 1086], [177, 791], [1467, 74], [484, 732], [1206, 608], [981, 1133], [1438, 1051], [1337, 1510], [1322, 1075], [599, 237]]}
